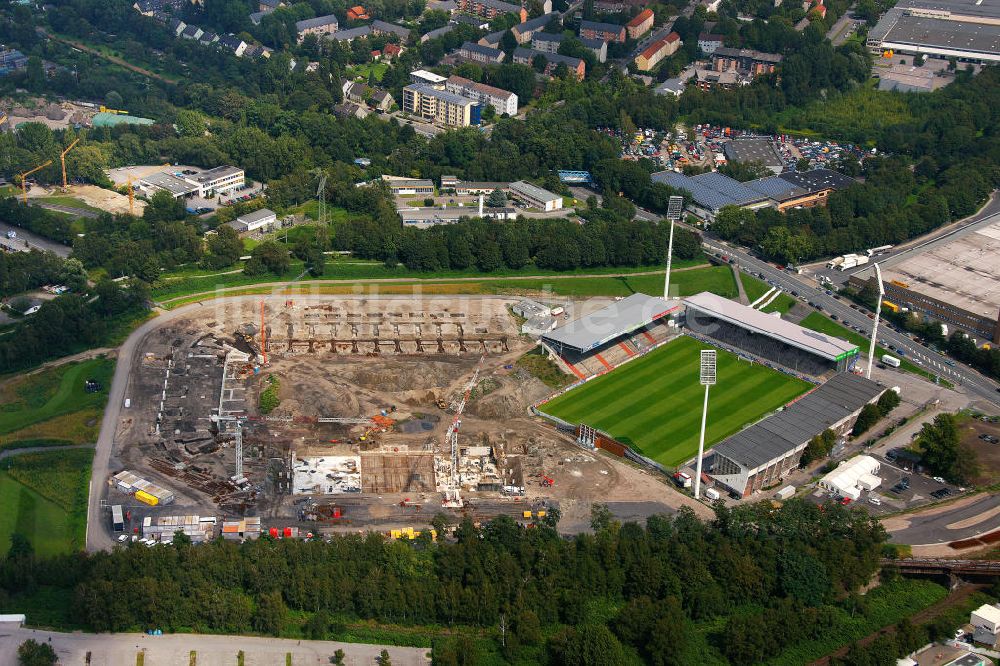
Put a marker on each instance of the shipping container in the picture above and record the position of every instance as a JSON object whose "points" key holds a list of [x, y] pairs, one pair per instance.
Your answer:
{"points": [[117, 518], [146, 498]]}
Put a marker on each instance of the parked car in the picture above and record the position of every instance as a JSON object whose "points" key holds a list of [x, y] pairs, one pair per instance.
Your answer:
{"points": [[872, 499], [938, 479]]}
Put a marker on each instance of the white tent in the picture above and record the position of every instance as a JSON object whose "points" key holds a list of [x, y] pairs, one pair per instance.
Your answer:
{"points": [[853, 476]]}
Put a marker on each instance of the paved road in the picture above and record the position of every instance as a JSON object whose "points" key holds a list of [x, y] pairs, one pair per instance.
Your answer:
{"points": [[933, 529], [975, 383], [122, 649], [27, 240], [69, 210]]}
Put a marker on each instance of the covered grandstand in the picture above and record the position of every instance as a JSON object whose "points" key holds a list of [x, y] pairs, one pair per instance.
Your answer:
{"points": [[767, 336], [601, 340], [760, 455]]}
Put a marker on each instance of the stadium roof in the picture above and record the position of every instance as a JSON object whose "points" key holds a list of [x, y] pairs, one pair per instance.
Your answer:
{"points": [[746, 317], [621, 317], [711, 190], [807, 417], [818, 180]]}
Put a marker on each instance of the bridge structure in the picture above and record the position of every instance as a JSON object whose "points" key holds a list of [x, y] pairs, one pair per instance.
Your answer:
{"points": [[955, 571]]}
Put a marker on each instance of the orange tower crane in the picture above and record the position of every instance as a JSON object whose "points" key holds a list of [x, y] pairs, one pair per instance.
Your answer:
{"points": [[24, 180], [131, 197], [62, 159]]}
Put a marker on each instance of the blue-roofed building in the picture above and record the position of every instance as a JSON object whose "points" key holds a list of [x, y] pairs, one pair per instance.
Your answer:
{"points": [[711, 192]]}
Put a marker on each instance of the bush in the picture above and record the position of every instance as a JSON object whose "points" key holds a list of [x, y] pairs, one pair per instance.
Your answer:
{"points": [[269, 399]]}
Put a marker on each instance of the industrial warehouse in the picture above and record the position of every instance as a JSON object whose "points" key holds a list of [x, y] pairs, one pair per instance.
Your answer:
{"points": [[966, 31], [955, 282], [712, 191]]}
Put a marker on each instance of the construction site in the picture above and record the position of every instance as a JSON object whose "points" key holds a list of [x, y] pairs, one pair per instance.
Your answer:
{"points": [[344, 412]]}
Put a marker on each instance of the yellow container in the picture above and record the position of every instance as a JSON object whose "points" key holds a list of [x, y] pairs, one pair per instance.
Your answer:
{"points": [[540, 514], [395, 534], [146, 498], [527, 514]]}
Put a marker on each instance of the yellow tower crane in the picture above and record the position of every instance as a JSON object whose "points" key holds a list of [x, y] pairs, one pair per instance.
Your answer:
{"points": [[3, 118], [24, 180], [62, 159]]}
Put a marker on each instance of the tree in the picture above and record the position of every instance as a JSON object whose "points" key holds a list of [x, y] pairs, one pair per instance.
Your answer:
{"points": [[383, 658], [496, 199], [942, 451], [33, 653], [868, 417], [270, 613], [338, 657], [225, 247], [887, 402], [73, 275], [587, 645], [318, 625], [267, 257]]}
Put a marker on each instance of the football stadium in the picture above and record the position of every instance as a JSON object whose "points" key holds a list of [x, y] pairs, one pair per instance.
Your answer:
{"points": [[653, 404]]}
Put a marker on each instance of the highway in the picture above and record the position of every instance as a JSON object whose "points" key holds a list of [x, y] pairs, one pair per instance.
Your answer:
{"points": [[959, 374]]}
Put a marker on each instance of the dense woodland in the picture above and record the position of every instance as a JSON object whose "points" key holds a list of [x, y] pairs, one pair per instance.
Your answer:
{"points": [[762, 578]]}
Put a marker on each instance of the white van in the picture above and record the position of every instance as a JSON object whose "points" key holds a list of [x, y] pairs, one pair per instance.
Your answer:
{"points": [[712, 493]]}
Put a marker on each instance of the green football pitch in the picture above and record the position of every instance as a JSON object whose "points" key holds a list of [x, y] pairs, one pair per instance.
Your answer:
{"points": [[654, 403]]}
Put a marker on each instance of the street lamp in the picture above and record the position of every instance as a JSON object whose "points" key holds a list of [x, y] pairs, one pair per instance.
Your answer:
{"points": [[707, 379], [674, 207], [878, 312]]}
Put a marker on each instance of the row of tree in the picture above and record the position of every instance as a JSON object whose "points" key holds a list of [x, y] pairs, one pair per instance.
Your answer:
{"points": [[794, 565]]}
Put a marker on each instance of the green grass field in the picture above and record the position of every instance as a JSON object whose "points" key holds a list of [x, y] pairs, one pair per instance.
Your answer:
{"points": [[755, 288], [819, 322], [654, 402], [52, 406], [44, 497]]}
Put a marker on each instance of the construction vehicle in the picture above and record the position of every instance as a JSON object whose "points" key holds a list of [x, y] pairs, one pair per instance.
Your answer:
{"points": [[246, 333], [24, 180], [117, 112], [441, 404], [547, 481], [62, 160]]}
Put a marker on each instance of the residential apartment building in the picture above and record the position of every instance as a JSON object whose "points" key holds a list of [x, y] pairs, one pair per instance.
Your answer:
{"points": [[744, 61], [503, 101], [640, 25], [440, 106], [319, 26], [547, 42], [523, 32], [657, 51], [578, 67], [708, 43], [479, 53], [606, 31], [490, 9]]}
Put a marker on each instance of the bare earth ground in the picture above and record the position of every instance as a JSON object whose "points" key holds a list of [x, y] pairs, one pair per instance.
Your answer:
{"points": [[418, 390], [92, 195]]}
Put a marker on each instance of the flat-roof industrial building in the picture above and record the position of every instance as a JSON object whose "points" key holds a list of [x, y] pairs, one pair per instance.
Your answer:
{"points": [[759, 456], [968, 30], [955, 281], [762, 151], [535, 197], [710, 192], [767, 336]]}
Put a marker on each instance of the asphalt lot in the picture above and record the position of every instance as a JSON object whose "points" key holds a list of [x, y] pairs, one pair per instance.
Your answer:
{"points": [[976, 517], [122, 649], [27, 240]]}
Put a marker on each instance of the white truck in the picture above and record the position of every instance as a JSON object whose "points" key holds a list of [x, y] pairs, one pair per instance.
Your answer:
{"points": [[712, 494], [891, 361]]}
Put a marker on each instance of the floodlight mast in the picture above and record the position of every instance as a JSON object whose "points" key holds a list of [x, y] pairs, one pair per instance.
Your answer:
{"points": [[878, 313], [674, 206], [707, 379]]}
